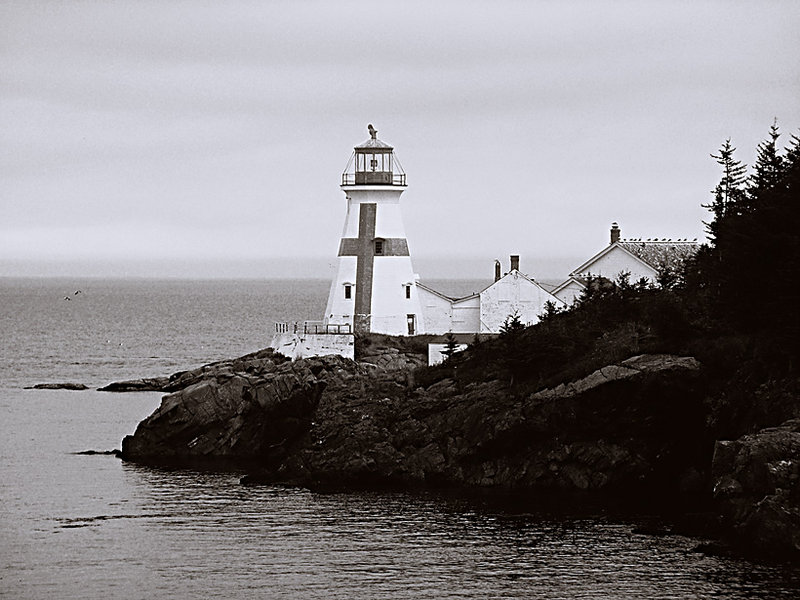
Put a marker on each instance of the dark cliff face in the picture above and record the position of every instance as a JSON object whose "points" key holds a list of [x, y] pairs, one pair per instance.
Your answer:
{"points": [[331, 422], [610, 431], [242, 410], [757, 490], [634, 434]]}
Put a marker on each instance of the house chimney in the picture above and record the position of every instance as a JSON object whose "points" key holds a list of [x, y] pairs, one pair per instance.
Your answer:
{"points": [[497, 270], [614, 233], [515, 262]]}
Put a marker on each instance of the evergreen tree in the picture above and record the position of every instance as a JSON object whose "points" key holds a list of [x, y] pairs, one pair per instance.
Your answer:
{"points": [[512, 324], [746, 275], [768, 169], [730, 192], [551, 309], [451, 346]]}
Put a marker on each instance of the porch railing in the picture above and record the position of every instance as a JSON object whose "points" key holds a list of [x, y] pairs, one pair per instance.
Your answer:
{"points": [[314, 327]]}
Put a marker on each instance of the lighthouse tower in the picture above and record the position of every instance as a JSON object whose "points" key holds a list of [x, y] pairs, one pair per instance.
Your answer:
{"points": [[374, 289]]}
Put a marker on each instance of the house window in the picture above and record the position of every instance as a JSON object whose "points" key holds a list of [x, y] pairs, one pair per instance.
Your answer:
{"points": [[408, 291], [378, 246], [348, 291]]}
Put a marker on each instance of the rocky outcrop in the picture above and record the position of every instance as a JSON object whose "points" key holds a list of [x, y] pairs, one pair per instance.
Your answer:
{"points": [[58, 386], [391, 359], [757, 488], [245, 409], [383, 357], [151, 384], [256, 361], [606, 432], [331, 422]]}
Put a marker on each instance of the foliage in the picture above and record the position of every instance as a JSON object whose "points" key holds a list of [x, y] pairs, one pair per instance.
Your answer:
{"points": [[551, 309], [451, 345], [512, 324], [730, 192], [738, 289], [744, 278]]}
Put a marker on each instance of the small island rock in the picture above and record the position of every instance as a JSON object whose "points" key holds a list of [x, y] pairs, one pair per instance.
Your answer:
{"points": [[58, 386]]}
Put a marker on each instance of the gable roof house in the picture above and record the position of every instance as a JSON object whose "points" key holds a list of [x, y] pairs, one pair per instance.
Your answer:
{"points": [[641, 258], [486, 311]]}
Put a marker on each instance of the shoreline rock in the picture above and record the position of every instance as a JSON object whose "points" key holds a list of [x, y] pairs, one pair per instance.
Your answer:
{"points": [[757, 490], [329, 421], [183, 379], [630, 436], [58, 386], [152, 384], [246, 410]]}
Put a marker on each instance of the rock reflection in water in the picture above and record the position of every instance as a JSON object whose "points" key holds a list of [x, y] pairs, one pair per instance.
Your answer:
{"points": [[202, 534]]}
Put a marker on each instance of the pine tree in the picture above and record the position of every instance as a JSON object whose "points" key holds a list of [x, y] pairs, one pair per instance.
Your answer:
{"points": [[730, 192], [769, 168], [551, 309], [451, 346], [746, 275], [512, 324]]}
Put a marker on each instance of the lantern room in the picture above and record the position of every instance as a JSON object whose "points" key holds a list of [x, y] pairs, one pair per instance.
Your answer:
{"points": [[373, 163]]}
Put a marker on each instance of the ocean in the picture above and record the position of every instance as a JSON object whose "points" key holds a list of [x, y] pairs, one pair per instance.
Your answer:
{"points": [[77, 525]]}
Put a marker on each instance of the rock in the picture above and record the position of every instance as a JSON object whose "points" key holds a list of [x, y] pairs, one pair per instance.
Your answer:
{"points": [[58, 386], [116, 453], [154, 384], [235, 412], [628, 369], [757, 490], [256, 362], [392, 359], [331, 422]]}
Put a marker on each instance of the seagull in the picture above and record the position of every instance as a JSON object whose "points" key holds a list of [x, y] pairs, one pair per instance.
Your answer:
{"points": [[78, 292], [67, 298]]}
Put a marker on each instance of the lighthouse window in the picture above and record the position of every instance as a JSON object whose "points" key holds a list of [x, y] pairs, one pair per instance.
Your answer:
{"points": [[408, 291], [348, 291], [378, 246]]}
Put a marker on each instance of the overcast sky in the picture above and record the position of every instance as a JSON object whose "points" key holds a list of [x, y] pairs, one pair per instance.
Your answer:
{"points": [[190, 138]]}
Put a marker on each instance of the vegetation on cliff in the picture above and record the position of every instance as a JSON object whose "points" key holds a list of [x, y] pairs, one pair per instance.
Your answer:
{"points": [[733, 307]]}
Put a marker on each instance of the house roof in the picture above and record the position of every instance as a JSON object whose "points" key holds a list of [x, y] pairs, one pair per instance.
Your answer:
{"points": [[657, 253], [444, 296], [474, 295], [525, 277], [548, 287], [651, 253], [581, 281]]}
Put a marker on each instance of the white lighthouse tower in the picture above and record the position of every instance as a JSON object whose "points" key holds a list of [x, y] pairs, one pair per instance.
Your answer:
{"points": [[374, 289]]}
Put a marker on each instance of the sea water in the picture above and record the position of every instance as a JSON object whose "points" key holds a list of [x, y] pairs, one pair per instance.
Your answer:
{"points": [[76, 525]]}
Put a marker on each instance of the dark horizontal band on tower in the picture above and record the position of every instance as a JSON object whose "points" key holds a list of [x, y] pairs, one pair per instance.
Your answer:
{"points": [[390, 247]]}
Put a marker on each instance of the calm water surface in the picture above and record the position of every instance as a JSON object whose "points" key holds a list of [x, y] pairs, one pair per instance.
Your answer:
{"points": [[90, 526]]}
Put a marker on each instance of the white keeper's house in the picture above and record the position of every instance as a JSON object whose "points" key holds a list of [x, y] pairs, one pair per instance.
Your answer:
{"points": [[642, 258]]}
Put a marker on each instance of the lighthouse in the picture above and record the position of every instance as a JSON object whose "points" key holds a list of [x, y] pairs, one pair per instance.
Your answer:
{"points": [[374, 289]]}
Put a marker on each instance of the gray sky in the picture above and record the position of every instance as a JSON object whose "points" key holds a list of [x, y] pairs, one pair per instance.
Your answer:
{"points": [[209, 138]]}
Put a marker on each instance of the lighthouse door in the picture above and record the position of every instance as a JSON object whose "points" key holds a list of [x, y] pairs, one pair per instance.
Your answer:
{"points": [[411, 320]]}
